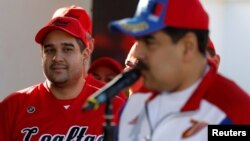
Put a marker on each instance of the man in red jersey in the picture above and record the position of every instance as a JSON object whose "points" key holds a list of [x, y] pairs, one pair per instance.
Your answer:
{"points": [[51, 111]]}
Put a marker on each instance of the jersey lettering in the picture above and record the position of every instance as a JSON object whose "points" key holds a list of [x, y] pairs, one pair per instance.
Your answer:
{"points": [[75, 133], [29, 132]]}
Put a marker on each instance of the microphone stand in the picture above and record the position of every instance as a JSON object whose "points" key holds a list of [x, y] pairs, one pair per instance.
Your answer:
{"points": [[109, 126]]}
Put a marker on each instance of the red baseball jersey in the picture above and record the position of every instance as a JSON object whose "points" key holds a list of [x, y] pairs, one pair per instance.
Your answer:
{"points": [[34, 114]]}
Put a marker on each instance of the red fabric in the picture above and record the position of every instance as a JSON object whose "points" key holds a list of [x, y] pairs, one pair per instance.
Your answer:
{"points": [[94, 82], [187, 14], [196, 98], [67, 24], [158, 10], [224, 94], [34, 113], [76, 12]]}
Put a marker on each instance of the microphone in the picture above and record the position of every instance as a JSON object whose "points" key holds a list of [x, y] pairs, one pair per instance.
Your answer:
{"points": [[112, 88]]}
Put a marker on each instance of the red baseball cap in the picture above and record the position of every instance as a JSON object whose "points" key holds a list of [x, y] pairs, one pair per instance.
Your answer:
{"points": [[106, 61], [153, 15], [67, 24], [75, 12]]}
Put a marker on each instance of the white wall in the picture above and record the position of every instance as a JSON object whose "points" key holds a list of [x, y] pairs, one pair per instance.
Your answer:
{"points": [[20, 64], [230, 32]]}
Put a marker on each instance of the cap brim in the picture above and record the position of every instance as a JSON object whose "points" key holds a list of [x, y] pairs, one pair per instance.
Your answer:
{"points": [[136, 26], [40, 36]]}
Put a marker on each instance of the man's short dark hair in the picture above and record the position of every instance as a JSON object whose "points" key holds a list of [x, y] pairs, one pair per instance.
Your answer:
{"points": [[177, 33], [81, 44]]}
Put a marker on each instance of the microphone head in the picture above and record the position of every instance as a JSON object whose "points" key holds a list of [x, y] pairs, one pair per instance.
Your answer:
{"points": [[112, 88]]}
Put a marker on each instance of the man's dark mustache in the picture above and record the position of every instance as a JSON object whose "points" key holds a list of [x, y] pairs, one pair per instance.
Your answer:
{"points": [[58, 64], [141, 65]]}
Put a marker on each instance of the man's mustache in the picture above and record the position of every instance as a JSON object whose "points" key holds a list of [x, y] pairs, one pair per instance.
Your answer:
{"points": [[56, 65], [141, 65]]}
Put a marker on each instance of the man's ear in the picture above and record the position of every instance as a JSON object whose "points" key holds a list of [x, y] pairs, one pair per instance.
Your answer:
{"points": [[89, 49], [190, 45], [91, 45], [87, 52], [215, 59]]}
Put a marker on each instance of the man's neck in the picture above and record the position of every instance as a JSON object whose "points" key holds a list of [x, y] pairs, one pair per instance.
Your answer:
{"points": [[66, 91]]}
